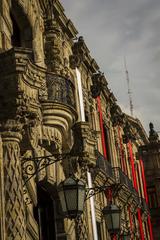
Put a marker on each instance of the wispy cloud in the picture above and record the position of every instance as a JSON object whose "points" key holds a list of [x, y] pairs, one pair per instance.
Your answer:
{"points": [[114, 28]]}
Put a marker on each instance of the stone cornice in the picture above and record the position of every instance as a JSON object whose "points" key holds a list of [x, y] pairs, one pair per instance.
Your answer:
{"points": [[65, 23], [134, 122]]}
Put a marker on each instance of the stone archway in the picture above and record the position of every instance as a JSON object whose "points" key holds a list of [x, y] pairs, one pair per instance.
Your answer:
{"points": [[21, 28], [28, 17]]}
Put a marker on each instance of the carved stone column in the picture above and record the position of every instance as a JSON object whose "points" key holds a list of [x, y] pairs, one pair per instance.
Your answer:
{"points": [[13, 188], [53, 47]]}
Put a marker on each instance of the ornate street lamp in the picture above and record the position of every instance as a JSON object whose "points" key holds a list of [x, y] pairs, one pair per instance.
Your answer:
{"points": [[72, 196], [72, 191], [112, 215]]}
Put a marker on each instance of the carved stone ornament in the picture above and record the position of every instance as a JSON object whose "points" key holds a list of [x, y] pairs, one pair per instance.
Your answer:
{"points": [[153, 135], [99, 83], [53, 46], [116, 117], [75, 61], [78, 53]]}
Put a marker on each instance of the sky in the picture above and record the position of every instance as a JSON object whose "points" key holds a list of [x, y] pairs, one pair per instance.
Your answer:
{"points": [[114, 29]]}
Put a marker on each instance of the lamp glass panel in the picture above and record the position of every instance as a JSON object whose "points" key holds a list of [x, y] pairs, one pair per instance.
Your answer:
{"points": [[108, 219], [81, 198], [70, 181], [116, 220], [71, 199], [62, 200], [126, 237]]}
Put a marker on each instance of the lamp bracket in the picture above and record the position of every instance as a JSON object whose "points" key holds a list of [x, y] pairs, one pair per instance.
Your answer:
{"points": [[90, 192], [33, 165]]}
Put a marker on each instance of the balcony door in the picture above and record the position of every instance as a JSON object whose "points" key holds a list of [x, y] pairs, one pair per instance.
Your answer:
{"points": [[45, 215]]}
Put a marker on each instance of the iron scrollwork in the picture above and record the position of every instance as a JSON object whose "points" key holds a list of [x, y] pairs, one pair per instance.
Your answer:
{"points": [[90, 192], [60, 90], [31, 166]]}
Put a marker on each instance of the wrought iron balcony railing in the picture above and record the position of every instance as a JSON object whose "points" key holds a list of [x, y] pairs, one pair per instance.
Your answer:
{"points": [[104, 165], [60, 90], [122, 178]]}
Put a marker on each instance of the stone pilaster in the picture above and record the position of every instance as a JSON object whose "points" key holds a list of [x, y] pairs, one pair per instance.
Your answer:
{"points": [[13, 188], [2, 212]]}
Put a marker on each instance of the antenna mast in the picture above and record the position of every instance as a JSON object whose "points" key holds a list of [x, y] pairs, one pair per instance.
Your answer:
{"points": [[129, 90]]}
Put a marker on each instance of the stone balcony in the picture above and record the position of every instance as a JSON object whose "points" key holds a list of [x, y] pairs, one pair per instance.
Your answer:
{"points": [[22, 83], [59, 109], [27, 89]]}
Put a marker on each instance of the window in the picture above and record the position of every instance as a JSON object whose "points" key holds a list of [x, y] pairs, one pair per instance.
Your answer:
{"points": [[86, 116], [107, 143], [48, 214], [152, 197], [45, 215], [22, 34], [99, 230], [15, 38]]}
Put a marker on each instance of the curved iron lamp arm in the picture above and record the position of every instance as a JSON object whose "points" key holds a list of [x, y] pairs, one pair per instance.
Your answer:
{"points": [[33, 165]]}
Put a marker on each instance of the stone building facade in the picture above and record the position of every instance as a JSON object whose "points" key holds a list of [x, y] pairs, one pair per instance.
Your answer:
{"points": [[151, 157], [53, 101]]}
